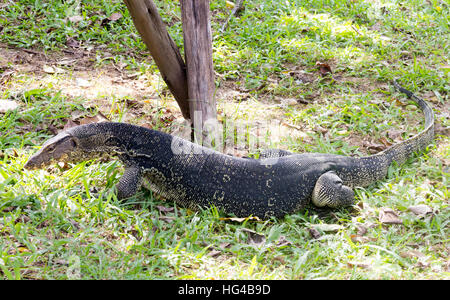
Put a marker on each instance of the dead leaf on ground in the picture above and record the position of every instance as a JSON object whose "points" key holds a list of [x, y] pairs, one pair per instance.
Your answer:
{"points": [[374, 147], [357, 238], [385, 142], [52, 128], [300, 76], [411, 254], [164, 209], [6, 74], [328, 227], [324, 69], [48, 69], [115, 16], [82, 82], [280, 259], [377, 26], [315, 234], [394, 134], [358, 264], [52, 70], [441, 130], [6, 105], [167, 219], [225, 245], [282, 241], [361, 229], [8, 209], [76, 121], [70, 124], [420, 210], [214, 253], [112, 18], [388, 216], [72, 43], [75, 19], [254, 238], [422, 259], [98, 118], [22, 219]]}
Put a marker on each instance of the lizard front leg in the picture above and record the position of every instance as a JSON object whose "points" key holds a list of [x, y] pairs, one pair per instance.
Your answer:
{"points": [[129, 183], [329, 191]]}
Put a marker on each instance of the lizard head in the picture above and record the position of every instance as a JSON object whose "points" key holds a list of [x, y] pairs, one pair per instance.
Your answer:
{"points": [[61, 148]]}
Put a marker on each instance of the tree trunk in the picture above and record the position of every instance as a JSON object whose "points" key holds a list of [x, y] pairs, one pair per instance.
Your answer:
{"points": [[198, 56], [165, 53]]}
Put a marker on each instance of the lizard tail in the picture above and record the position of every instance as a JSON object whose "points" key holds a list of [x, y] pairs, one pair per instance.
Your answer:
{"points": [[401, 151]]}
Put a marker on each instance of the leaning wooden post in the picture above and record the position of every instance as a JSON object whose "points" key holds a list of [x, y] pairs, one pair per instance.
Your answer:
{"points": [[195, 16], [165, 53]]}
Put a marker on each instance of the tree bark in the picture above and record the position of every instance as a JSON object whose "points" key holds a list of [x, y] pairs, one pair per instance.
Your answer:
{"points": [[195, 15], [165, 53]]}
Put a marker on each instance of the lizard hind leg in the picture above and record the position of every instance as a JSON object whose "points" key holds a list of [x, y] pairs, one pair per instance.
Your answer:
{"points": [[329, 191], [129, 183]]}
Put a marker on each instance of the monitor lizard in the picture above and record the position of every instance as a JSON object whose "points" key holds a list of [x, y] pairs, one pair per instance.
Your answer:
{"points": [[278, 183]]}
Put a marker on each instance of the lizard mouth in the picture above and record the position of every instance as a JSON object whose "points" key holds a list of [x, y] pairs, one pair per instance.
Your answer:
{"points": [[32, 164], [60, 148]]}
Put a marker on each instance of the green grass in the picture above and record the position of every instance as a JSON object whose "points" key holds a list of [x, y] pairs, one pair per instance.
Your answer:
{"points": [[67, 223]]}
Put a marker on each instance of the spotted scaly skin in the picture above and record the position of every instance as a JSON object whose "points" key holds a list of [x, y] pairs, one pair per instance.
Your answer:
{"points": [[279, 183]]}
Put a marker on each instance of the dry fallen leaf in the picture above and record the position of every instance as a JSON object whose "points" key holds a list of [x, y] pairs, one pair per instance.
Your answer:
{"points": [[98, 118], [361, 229], [72, 42], [356, 238], [52, 70], [82, 82], [388, 216], [282, 241], [411, 254], [75, 19], [214, 253], [394, 134], [48, 69], [78, 120], [6, 105], [167, 219], [164, 209], [385, 142], [115, 16], [70, 124], [254, 238], [374, 147], [359, 264], [225, 245], [315, 234], [420, 209], [324, 69], [327, 227]]}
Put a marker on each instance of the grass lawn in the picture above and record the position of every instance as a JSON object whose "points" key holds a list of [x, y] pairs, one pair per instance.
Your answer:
{"points": [[312, 76]]}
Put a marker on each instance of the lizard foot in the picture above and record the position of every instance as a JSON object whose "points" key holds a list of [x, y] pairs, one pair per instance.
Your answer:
{"points": [[329, 191], [129, 183]]}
